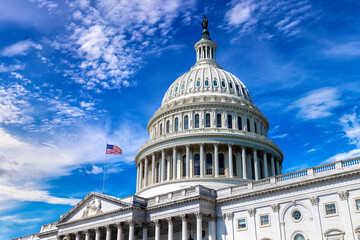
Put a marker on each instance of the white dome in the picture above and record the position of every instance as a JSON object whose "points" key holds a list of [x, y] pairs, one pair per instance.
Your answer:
{"points": [[206, 80]]}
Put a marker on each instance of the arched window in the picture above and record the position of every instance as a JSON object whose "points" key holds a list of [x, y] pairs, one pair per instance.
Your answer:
{"points": [[221, 164], [198, 83], [176, 124], [255, 126], [215, 83], [299, 236], [248, 125], [223, 83], [209, 164], [184, 166], [239, 123], [229, 121], [206, 82], [207, 120], [196, 120], [218, 120], [196, 164], [167, 126], [186, 122], [234, 165], [161, 129]]}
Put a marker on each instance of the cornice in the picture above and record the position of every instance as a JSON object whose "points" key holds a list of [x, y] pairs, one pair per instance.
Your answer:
{"points": [[182, 201]]}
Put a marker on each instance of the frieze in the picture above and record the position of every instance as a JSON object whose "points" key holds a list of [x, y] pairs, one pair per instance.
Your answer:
{"points": [[92, 208]]}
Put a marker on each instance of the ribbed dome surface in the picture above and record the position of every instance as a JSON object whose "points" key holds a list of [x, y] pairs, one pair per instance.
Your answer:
{"points": [[208, 80]]}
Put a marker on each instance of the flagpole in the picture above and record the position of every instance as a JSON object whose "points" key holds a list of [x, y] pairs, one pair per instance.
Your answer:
{"points": [[104, 169]]}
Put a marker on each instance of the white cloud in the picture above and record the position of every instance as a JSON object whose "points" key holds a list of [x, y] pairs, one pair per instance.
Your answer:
{"points": [[20, 48], [48, 4], [311, 150], [240, 13], [10, 68], [342, 156], [317, 104], [344, 50], [18, 219], [351, 127], [94, 170], [280, 136]]}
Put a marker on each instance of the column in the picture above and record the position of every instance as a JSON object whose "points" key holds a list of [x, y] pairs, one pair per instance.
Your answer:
{"points": [[162, 167], [216, 157], [187, 169], [243, 160], [131, 230], [278, 172], [97, 233], [120, 232], [179, 165], [153, 173], [184, 226], [345, 209], [265, 166], [108, 232], [252, 218], [231, 165], [198, 225], [230, 217], [77, 236], [272, 166], [256, 165], [276, 220], [141, 175], [157, 229], [137, 177], [317, 218], [212, 227], [146, 169], [202, 160], [174, 163], [145, 231], [168, 172], [170, 228], [191, 166], [87, 234]]}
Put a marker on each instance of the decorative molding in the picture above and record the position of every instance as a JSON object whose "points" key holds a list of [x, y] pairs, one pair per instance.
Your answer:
{"points": [[251, 212], [275, 207], [344, 195], [314, 200], [229, 215], [184, 217], [169, 220], [198, 214], [156, 223], [119, 224], [131, 223]]}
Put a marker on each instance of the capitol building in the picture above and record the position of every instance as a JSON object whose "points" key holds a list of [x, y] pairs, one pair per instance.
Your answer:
{"points": [[210, 172]]}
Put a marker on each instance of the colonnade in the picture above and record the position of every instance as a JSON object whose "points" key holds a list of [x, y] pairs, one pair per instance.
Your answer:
{"points": [[122, 229], [204, 161]]}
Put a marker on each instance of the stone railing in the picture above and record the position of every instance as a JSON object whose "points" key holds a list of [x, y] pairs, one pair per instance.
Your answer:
{"points": [[302, 175]]}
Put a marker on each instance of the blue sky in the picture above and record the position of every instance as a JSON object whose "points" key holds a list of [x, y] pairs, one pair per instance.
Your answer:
{"points": [[75, 74]]}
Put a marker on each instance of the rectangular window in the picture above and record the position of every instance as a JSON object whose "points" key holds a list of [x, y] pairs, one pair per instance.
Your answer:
{"points": [[357, 204], [330, 209], [264, 220], [242, 224]]}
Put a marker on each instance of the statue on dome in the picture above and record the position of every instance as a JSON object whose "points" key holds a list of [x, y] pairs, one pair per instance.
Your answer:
{"points": [[205, 32], [204, 24]]}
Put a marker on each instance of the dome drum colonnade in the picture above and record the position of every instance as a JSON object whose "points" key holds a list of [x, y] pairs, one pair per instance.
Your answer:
{"points": [[207, 131]]}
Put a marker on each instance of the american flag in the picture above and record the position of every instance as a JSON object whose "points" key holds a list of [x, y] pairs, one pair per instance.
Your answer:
{"points": [[113, 149]]}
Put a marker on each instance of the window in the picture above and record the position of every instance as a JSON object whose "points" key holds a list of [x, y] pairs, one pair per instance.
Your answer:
{"points": [[215, 83], [186, 122], [234, 165], [167, 126], [176, 124], [209, 165], [357, 204], [255, 126], [223, 83], [182, 86], [170, 92], [218, 120], [207, 120], [296, 215], [198, 83], [221, 164], [166, 172], [242, 224], [229, 121], [196, 120], [330, 209], [161, 129], [157, 172], [299, 236], [184, 166], [248, 125], [206, 82], [197, 164], [264, 220], [176, 89], [237, 88], [231, 86], [239, 123]]}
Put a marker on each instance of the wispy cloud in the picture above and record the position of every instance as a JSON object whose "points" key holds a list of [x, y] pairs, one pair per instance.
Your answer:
{"points": [[351, 127], [20, 48], [10, 68], [317, 104], [17, 219], [280, 136], [344, 50]]}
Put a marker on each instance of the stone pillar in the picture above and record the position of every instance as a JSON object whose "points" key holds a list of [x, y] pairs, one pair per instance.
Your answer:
{"points": [[141, 175], [278, 171], [157, 229], [317, 218], [170, 228], [187, 169], [87, 235], [120, 232], [162, 166], [216, 157], [146, 169], [231, 165], [184, 233], [230, 217], [272, 166], [77, 236], [153, 172], [168, 172], [97, 233], [212, 227], [239, 165], [145, 231], [108, 232], [344, 204], [198, 225], [174, 163], [137, 177], [266, 175], [243, 160], [276, 215], [191, 166], [252, 219], [202, 160], [256, 165], [131, 230]]}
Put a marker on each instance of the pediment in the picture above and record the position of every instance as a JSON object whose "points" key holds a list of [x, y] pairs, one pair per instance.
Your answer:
{"points": [[92, 205]]}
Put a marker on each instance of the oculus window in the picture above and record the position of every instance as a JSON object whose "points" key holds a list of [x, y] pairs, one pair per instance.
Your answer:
{"points": [[296, 215], [299, 236]]}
